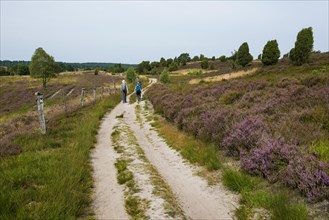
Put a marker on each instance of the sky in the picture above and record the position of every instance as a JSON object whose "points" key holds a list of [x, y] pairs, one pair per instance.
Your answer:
{"points": [[133, 31]]}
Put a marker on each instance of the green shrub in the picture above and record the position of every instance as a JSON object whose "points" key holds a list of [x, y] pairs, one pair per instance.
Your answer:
{"points": [[131, 75], [243, 55], [204, 64], [222, 58], [173, 67], [303, 47], [195, 73], [230, 98], [164, 76], [271, 53]]}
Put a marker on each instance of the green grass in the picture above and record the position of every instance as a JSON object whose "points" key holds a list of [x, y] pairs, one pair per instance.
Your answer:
{"points": [[321, 148], [238, 181], [196, 151], [51, 178], [135, 207], [279, 204], [5, 118], [254, 194]]}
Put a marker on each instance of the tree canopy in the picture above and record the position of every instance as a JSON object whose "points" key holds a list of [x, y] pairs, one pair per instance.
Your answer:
{"points": [[43, 66]]}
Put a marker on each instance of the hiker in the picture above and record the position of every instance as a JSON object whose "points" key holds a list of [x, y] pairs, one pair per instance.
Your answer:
{"points": [[138, 90], [124, 89]]}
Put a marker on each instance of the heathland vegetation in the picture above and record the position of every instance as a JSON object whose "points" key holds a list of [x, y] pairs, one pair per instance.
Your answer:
{"points": [[273, 123]]}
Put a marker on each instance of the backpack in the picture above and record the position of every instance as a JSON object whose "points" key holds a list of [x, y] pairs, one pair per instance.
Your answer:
{"points": [[138, 88], [124, 87]]}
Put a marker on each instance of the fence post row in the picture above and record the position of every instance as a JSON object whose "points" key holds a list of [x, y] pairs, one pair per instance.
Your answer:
{"points": [[41, 113]]}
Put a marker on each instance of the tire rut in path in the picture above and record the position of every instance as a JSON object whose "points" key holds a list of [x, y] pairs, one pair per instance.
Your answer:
{"points": [[195, 197]]}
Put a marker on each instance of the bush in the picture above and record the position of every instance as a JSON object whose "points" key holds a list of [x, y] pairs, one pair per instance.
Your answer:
{"points": [[195, 73], [4, 72], [230, 98], [222, 58], [271, 53], [204, 64], [279, 161], [173, 67], [164, 77], [131, 75], [243, 55], [244, 135], [303, 47]]}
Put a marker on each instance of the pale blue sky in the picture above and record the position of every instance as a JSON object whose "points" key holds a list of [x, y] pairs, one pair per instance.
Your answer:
{"points": [[132, 31]]}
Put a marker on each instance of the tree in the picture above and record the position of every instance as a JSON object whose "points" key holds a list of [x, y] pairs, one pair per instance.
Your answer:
{"points": [[271, 53], [169, 61], [43, 66], [184, 58], [243, 56], [164, 76], [117, 68], [131, 75], [195, 58], [4, 72], [303, 47], [143, 67], [163, 62], [222, 58]]}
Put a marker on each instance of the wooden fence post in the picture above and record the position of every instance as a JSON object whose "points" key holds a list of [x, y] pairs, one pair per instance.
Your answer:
{"points": [[94, 94], [83, 91], [41, 113], [65, 104]]}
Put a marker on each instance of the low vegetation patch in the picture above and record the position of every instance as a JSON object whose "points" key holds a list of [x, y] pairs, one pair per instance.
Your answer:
{"points": [[51, 178], [264, 121]]}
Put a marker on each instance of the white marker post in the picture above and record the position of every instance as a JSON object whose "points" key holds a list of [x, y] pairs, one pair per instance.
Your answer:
{"points": [[41, 113]]}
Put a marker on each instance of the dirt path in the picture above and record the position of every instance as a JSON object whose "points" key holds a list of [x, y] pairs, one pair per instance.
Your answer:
{"points": [[162, 185]]}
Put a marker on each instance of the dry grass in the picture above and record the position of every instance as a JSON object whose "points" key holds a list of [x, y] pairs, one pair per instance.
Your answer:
{"points": [[184, 72], [224, 76]]}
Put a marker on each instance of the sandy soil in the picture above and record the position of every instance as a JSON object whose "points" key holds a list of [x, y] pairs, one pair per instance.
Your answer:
{"points": [[194, 196], [224, 76]]}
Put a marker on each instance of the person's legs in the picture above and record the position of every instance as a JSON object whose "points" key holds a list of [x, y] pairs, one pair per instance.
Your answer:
{"points": [[124, 97]]}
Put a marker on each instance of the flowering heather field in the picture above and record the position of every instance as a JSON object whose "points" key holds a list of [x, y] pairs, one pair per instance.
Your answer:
{"points": [[276, 122]]}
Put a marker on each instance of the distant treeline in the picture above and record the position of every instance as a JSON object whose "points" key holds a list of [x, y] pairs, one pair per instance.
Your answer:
{"points": [[8, 67]]}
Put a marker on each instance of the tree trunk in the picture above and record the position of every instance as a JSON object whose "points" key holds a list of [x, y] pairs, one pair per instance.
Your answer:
{"points": [[44, 82]]}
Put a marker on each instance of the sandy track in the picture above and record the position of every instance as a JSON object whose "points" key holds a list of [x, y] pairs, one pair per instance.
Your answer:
{"points": [[194, 196]]}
